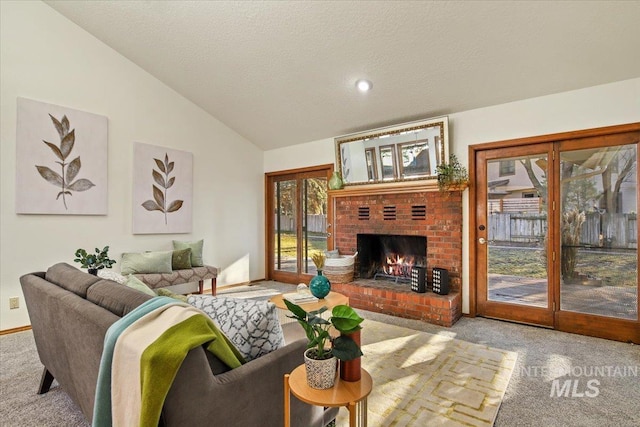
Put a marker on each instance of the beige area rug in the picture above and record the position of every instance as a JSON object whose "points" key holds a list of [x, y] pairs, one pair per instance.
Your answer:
{"points": [[247, 292], [420, 379]]}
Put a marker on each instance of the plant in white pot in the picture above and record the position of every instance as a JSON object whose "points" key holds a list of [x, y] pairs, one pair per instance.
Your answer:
{"points": [[320, 361]]}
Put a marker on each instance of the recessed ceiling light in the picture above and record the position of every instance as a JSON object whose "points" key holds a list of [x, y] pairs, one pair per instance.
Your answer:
{"points": [[364, 85]]}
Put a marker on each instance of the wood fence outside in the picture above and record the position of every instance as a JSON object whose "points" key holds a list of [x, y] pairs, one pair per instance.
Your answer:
{"points": [[315, 223], [608, 230]]}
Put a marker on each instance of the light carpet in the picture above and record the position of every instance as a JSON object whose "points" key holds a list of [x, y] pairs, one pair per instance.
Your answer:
{"points": [[420, 379]]}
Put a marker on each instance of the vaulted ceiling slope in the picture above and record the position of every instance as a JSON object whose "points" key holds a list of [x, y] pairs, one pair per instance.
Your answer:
{"points": [[283, 72]]}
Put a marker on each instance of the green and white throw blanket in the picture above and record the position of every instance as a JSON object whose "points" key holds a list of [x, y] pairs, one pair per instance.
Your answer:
{"points": [[142, 354]]}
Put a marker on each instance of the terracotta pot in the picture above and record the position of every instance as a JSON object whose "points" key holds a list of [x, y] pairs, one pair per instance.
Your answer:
{"points": [[321, 374], [350, 369]]}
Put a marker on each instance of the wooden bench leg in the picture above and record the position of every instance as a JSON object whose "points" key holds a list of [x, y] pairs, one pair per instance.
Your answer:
{"points": [[214, 285], [200, 287], [45, 381]]}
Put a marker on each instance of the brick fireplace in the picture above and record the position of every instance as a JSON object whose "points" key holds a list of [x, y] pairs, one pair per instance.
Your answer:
{"points": [[429, 214]]}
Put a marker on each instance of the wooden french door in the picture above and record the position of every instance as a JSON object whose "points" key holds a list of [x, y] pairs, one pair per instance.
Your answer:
{"points": [[555, 237], [297, 210], [515, 273]]}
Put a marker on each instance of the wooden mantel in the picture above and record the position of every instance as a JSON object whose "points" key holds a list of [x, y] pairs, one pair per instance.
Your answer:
{"points": [[400, 187]]}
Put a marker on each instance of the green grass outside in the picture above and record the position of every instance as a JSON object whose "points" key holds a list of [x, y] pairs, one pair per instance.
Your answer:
{"points": [[288, 242], [614, 269]]}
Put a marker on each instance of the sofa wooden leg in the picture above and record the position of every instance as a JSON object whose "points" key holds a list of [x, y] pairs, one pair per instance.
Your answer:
{"points": [[214, 285], [201, 287], [45, 381]]}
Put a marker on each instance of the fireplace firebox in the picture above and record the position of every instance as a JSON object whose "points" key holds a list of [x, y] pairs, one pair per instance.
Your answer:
{"points": [[390, 256]]}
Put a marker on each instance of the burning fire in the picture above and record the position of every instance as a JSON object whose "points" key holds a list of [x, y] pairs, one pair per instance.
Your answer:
{"points": [[398, 265]]}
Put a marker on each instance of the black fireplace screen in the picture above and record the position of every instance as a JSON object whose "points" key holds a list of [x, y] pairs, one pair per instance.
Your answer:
{"points": [[390, 256]]}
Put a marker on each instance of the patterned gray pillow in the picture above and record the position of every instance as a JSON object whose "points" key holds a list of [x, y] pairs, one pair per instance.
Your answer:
{"points": [[252, 326]]}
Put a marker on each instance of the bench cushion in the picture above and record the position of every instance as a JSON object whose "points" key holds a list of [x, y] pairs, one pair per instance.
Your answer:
{"points": [[178, 277]]}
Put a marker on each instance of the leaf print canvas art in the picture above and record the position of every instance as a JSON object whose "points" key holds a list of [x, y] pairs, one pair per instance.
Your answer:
{"points": [[61, 160], [162, 190]]}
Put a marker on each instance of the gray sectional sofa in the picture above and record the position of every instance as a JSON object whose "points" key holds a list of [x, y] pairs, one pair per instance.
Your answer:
{"points": [[70, 313]]}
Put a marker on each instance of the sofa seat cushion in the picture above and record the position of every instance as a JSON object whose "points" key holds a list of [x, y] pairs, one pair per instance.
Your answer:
{"points": [[117, 298], [70, 278], [252, 326], [178, 277]]}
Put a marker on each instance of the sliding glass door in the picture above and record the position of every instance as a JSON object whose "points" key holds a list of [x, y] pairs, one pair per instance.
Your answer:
{"points": [[598, 244], [555, 231], [297, 225]]}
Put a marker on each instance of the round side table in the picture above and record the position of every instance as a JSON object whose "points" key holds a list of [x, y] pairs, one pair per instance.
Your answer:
{"points": [[352, 395], [330, 301]]}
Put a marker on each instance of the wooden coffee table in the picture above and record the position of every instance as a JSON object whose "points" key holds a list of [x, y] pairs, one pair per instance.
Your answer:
{"points": [[352, 395], [329, 301]]}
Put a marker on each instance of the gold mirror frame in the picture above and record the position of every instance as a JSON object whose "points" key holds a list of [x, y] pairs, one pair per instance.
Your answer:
{"points": [[415, 148]]}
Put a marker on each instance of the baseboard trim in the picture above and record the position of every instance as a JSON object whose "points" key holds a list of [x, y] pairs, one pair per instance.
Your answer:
{"points": [[14, 330]]}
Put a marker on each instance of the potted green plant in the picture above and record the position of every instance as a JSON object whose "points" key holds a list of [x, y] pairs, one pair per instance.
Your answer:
{"points": [[94, 262], [321, 361], [451, 175]]}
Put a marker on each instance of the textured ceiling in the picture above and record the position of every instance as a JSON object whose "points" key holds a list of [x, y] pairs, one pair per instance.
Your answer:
{"points": [[283, 73]]}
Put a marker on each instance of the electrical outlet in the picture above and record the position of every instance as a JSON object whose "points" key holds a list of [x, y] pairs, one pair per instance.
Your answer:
{"points": [[14, 302]]}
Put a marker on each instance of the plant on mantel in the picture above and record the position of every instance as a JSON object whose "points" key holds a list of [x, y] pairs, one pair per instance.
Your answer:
{"points": [[452, 175]]}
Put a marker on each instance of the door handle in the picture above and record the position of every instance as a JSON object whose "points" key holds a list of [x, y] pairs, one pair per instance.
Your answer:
{"points": [[482, 241]]}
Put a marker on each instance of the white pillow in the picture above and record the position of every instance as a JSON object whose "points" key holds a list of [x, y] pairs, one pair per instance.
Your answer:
{"points": [[111, 275], [252, 326]]}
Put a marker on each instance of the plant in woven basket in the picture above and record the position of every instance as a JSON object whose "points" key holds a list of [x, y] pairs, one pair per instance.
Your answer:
{"points": [[451, 175]]}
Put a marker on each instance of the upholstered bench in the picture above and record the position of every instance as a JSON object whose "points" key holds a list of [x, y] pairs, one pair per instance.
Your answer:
{"points": [[179, 277]]}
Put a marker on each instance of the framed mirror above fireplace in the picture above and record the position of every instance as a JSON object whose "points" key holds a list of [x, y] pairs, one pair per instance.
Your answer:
{"points": [[406, 152]]}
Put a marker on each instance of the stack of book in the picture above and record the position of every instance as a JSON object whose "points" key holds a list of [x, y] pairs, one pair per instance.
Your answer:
{"points": [[300, 297]]}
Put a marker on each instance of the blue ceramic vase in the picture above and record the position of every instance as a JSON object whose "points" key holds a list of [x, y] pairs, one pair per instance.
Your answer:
{"points": [[320, 286]]}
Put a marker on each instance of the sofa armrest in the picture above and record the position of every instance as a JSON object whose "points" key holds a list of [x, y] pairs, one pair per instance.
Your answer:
{"points": [[250, 395]]}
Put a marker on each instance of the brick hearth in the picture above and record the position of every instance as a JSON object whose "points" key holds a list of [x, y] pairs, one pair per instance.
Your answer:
{"points": [[432, 214], [399, 300]]}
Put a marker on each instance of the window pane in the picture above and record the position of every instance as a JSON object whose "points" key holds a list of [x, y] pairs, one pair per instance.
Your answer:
{"points": [[599, 262]]}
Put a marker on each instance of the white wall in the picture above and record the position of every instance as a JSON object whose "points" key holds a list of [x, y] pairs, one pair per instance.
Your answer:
{"points": [[46, 57], [610, 104]]}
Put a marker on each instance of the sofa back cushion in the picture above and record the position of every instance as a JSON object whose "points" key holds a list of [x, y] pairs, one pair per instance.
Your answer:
{"points": [[70, 278], [116, 298]]}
